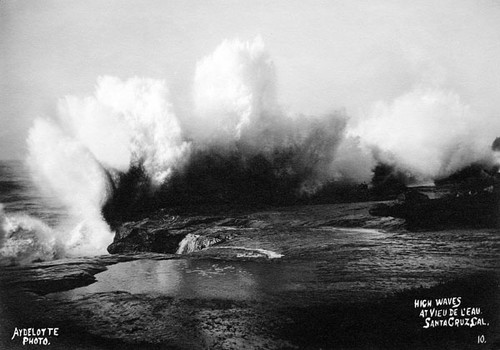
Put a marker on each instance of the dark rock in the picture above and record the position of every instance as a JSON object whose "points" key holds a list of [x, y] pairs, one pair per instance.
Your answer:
{"points": [[381, 209], [467, 209], [413, 196], [134, 237], [163, 232], [159, 233]]}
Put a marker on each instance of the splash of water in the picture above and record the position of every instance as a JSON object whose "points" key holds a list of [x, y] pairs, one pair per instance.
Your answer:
{"points": [[428, 132], [78, 155], [193, 243], [24, 239], [236, 107], [234, 95], [81, 154], [127, 123], [70, 171]]}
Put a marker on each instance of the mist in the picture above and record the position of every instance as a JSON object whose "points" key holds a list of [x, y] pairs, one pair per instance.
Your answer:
{"points": [[311, 93]]}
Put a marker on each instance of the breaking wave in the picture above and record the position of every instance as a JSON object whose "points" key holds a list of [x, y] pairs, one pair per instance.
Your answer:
{"points": [[428, 132], [125, 149], [24, 239]]}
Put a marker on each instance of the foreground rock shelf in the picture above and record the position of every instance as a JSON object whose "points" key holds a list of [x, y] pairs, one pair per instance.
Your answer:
{"points": [[144, 321], [327, 276]]}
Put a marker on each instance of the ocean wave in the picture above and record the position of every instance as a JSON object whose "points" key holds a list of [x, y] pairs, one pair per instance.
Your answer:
{"points": [[125, 150], [25, 239]]}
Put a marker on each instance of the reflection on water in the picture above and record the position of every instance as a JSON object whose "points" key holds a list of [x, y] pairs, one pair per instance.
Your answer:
{"points": [[318, 265], [208, 279]]}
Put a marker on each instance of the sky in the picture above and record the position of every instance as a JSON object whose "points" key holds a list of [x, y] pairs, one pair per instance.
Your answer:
{"points": [[328, 55]]}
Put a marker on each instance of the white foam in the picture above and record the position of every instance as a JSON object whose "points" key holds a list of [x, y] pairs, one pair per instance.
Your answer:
{"points": [[268, 253], [24, 239]]}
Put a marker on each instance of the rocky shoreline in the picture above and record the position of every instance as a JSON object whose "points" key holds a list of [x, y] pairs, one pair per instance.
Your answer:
{"points": [[118, 319], [163, 231], [472, 209], [143, 321]]}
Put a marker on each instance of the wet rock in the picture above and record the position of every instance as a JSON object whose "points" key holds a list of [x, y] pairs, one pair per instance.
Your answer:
{"points": [[166, 233], [134, 238], [157, 234], [192, 243], [64, 274], [476, 209]]}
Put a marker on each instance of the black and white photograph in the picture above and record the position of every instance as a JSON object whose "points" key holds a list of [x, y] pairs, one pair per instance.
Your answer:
{"points": [[249, 174]]}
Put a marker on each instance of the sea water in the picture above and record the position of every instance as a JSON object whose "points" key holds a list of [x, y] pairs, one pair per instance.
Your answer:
{"points": [[317, 264], [19, 195], [28, 217]]}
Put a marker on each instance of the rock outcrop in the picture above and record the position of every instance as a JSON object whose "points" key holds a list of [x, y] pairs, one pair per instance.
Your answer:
{"points": [[137, 237], [164, 234], [460, 209], [185, 234]]}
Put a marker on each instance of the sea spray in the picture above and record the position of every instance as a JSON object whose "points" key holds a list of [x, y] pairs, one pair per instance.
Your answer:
{"points": [[428, 132], [234, 95], [123, 149], [238, 143], [188, 244], [193, 243], [236, 108], [24, 239], [79, 155], [127, 123], [70, 171]]}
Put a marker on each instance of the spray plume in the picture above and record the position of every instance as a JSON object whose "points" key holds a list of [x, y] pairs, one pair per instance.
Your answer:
{"points": [[428, 132], [126, 144]]}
